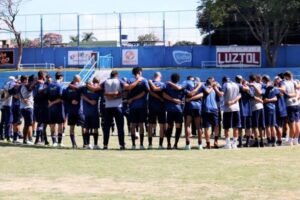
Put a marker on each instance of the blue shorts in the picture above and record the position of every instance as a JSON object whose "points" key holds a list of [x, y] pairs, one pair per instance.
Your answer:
{"points": [[155, 116], [246, 122], [138, 115], [192, 112], [258, 119], [28, 116], [7, 115], [293, 113], [91, 121], [56, 114], [17, 116], [41, 114], [231, 120], [210, 119], [174, 117], [75, 119], [270, 118]]}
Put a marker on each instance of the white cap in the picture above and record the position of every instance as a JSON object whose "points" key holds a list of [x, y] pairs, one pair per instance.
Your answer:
{"points": [[11, 78]]}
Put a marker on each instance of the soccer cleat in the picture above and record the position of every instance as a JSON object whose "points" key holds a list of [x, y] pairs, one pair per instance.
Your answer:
{"points": [[227, 146], [175, 147], [150, 147], [74, 146], [142, 147], [234, 145], [295, 142], [122, 148], [200, 147], [208, 145], [187, 147], [160, 147], [96, 147], [54, 145], [169, 147], [16, 142], [133, 147], [60, 145], [216, 145], [29, 143]]}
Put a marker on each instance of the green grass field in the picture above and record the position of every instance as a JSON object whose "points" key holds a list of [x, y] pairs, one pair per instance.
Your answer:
{"points": [[46, 173]]}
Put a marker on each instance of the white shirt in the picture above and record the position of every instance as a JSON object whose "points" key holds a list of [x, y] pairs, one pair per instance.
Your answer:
{"points": [[28, 95], [231, 91], [290, 89], [113, 85], [255, 105]]}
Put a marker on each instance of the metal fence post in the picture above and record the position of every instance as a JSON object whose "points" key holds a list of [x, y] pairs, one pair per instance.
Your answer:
{"points": [[164, 28], [78, 30], [41, 36], [120, 29]]}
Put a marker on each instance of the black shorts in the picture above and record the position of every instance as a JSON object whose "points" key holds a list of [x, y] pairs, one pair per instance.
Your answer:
{"points": [[280, 120], [193, 112], [138, 115], [210, 119], [258, 119], [174, 117], [155, 116], [246, 122], [91, 122], [41, 114], [75, 119], [56, 114], [17, 115], [231, 120], [27, 113], [293, 113]]}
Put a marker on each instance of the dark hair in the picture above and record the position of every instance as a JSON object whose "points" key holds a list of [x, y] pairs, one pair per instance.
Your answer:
{"points": [[58, 75], [239, 79], [225, 79], [31, 78], [252, 77], [281, 75], [23, 78], [266, 78], [209, 80], [175, 78], [41, 74], [136, 70], [114, 73], [288, 74], [190, 78]]}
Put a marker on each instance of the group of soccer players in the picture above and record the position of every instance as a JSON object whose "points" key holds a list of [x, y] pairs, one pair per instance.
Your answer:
{"points": [[260, 111]]}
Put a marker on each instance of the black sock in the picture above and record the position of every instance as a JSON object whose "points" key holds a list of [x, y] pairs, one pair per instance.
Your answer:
{"points": [[240, 139], [142, 139], [200, 142], [273, 140], [96, 135], [216, 138], [15, 136], [187, 142], [161, 140], [269, 140], [247, 139], [72, 137], [59, 138], [150, 140], [169, 134], [84, 139], [38, 135], [177, 135], [87, 135], [133, 139]]}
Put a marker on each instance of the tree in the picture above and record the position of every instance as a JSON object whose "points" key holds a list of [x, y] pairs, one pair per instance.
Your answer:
{"points": [[185, 43], [50, 39], [149, 39], [88, 37], [269, 21], [74, 38], [9, 9]]}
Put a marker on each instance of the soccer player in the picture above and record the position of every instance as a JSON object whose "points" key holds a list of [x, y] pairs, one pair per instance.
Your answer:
{"points": [[56, 110], [16, 111], [210, 114], [26, 106], [245, 110], [231, 115], [192, 111], [41, 107], [90, 111], [281, 111], [292, 107], [157, 110], [72, 98], [174, 107], [258, 114], [270, 99], [137, 100], [6, 107], [112, 89]]}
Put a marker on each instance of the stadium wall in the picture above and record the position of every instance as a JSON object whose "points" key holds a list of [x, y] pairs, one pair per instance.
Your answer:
{"points": [[150, 56]]}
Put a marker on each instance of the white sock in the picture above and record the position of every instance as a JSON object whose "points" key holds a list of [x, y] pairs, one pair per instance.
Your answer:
{"points": [[227, 141], [235, 140]]}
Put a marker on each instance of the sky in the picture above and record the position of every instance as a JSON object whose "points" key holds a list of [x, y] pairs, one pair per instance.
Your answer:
{"points": [[101, 6], [179, 25]]}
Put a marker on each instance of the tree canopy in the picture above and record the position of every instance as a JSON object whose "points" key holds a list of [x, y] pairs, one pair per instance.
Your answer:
{"points": [[268, 21]]}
